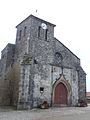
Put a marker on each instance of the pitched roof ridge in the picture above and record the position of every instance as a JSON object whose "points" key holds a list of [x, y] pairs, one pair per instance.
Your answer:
{"points": [[37, 19], [67, 48]]}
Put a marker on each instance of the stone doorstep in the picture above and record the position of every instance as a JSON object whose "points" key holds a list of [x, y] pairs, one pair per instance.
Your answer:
{"points": [[59, 105]]}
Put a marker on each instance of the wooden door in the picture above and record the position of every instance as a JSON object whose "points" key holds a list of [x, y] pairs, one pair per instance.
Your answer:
{"points": [[60, 94]]}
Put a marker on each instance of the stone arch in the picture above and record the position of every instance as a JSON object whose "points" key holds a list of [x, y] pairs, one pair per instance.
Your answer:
{"points": [[66, 87]]}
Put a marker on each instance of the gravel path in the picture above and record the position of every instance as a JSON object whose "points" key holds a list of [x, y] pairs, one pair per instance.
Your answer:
{"points": [[66, 113]]}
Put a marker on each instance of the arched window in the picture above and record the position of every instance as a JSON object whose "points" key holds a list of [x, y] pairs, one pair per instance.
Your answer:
{"points": [[20, 34], [25, 31], [39, 29], [42, 33], [46, 34], [58, 57]]}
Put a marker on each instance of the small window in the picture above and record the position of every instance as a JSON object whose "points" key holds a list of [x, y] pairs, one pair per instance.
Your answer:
{"points": [[58, 57], [42, 33], [41, 89], [20, 34], [25, 31], [39, 28], [46, 34]]}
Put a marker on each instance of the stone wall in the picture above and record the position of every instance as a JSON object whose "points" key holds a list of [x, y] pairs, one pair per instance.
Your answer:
{"points": [[82, 84], [6, 64], [30, 68], [43, 55]]}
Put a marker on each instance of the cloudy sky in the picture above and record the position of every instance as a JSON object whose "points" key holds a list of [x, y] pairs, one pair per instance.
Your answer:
{"points": [[72, 19]]}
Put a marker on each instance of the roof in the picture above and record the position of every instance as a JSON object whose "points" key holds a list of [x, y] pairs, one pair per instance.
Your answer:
{"points": [[32, 16], [9, 44], [67, 48], [88, 94]]}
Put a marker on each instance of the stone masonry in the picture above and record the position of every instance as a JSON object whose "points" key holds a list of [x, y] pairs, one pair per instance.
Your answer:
{"points": [[39, 68]]}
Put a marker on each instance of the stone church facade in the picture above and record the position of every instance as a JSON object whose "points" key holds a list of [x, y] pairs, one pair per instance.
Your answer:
{"points": [[38, 68]]}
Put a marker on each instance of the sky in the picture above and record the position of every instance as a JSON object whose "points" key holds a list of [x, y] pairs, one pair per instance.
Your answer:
{"points": [[71, 17]]}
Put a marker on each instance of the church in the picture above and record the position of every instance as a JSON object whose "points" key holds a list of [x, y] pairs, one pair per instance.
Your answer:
{"points": [[39, 68]]}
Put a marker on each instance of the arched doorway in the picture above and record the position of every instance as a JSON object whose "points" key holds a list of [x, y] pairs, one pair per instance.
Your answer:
{"points": [[60, 94]]}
